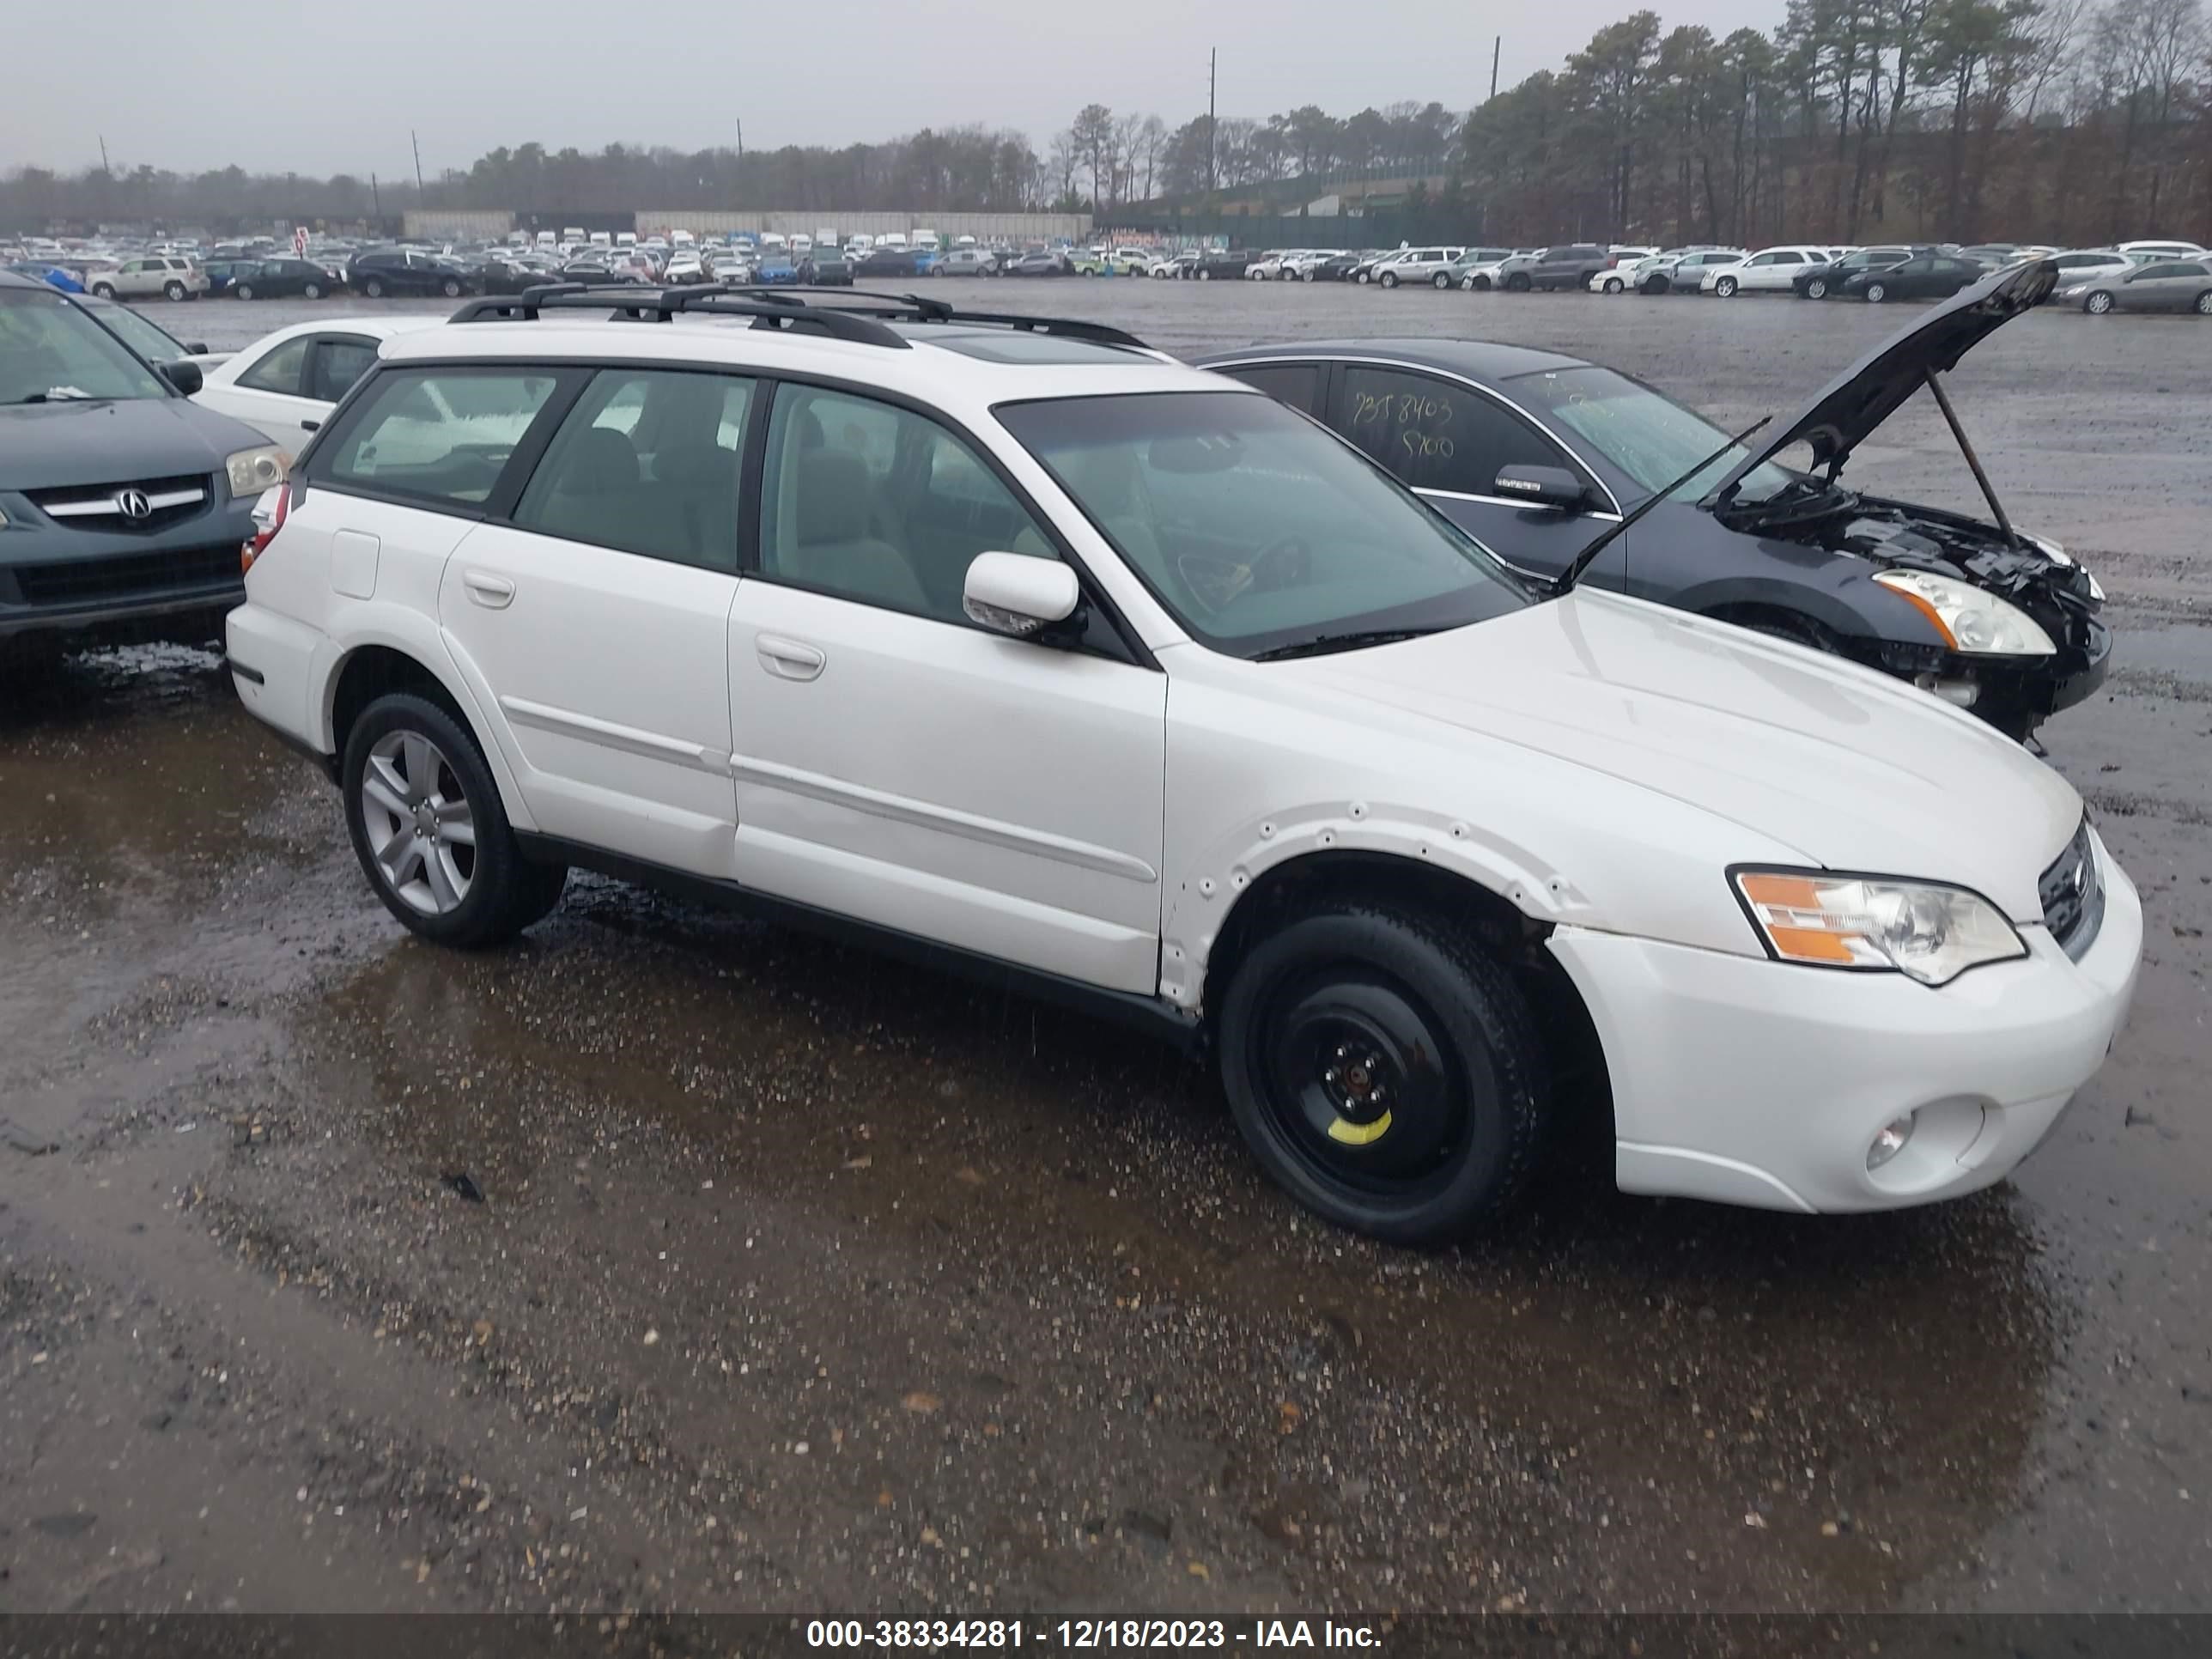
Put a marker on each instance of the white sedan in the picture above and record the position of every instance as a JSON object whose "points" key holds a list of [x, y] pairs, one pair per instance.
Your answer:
{"points": [[1769, 271], [286, 384]]}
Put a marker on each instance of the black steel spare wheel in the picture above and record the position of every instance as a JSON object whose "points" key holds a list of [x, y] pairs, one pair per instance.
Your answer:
{"points": [[1386, 1071]]}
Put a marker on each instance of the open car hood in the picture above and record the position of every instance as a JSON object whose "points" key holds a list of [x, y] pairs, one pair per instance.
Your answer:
{"points": [[1862, 396]]}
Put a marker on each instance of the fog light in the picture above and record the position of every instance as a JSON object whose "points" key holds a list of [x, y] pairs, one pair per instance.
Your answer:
{"points": [[1890, 1142]]}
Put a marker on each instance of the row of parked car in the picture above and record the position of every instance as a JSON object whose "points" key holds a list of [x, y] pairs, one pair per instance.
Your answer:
{"points": [[2168, 276]]}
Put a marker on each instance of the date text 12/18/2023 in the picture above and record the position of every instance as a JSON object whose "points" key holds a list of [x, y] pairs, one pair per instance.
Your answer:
{"points": [[1079, 1634]]}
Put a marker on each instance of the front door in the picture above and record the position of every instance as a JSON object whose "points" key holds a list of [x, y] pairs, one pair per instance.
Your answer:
{"points": [[898, 763], [597, 619]]}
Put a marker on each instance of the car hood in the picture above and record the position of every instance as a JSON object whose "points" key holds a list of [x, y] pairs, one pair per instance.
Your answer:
{"points": [[53, 445], [1843, 411], [1854, 771]]}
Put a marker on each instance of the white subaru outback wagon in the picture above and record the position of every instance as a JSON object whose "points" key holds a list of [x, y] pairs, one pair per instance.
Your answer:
{"points": [[1012, 642]]}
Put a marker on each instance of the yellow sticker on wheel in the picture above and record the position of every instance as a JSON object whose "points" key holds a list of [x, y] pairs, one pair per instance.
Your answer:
{"points": [[1359, 1134]]}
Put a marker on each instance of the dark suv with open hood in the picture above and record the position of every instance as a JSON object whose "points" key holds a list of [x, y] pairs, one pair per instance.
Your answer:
{"points": [[122, 504], [1541, 457]]}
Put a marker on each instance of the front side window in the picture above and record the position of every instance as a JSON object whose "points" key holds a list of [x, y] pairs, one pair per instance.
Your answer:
{"points": [[872, 502], [442, 435], [50, 352], [281, 370], [646, 461], [1435, 433], [1254, 528], [1648, 435]]}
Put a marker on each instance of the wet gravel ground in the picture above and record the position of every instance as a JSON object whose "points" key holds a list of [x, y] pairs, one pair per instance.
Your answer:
{"points": [[665, 1260]]}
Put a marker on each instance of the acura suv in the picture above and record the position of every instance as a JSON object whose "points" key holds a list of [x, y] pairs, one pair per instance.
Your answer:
{"points": [[1013, 645], [122, 504]]}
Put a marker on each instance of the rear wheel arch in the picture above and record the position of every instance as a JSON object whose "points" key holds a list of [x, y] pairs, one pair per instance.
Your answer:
{"points": [[372, 670]]}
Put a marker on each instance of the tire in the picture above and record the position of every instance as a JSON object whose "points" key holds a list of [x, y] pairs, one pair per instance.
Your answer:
{"points": [[312, 291], [1305, 275], [1478, 285], [2203, 306], [2098, 303], [1655, 285], [1817, 289], [241, 290], [1362, 278], [372, 288], [1519, 283], [466, 895], [1876, 293], [1725, 288], [103, 290], [175, 290], [1437, 1135], [1443, 279], [1614, 285], [1388, 279], [1204, 275], [450, 288]]}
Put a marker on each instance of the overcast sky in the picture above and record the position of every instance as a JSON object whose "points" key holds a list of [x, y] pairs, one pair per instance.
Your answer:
{"points": [[281, 85]]}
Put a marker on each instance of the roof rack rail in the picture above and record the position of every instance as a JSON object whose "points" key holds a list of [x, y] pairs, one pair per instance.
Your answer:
{"points": [[858, 317], [915, 308], [657, 304]]}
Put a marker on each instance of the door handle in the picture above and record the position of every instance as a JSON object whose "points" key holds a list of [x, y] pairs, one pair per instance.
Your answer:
{"points": [[493, 592], [311, 426], [790, 659]]}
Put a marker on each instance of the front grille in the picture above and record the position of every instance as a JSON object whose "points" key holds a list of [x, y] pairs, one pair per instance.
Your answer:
{"points": [[129, 576], [98, 507], [2073, 895]]}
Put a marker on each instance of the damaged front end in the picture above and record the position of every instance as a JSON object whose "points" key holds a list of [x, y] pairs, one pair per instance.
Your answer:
{"points": [[2016, 620], [1989, 664]]}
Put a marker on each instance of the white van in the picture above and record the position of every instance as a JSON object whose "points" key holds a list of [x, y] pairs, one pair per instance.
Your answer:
{"points": [[773, 241], [683, 238], [893, 240], [801, 243], [929, 239], [825, 236]]}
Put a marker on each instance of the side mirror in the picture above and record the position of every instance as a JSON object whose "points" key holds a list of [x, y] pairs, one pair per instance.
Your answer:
{"points": [[196, 348], [184, 375], [1553, 487], [1012, 594]]}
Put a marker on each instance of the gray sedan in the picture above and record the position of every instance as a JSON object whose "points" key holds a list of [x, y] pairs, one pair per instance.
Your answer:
{"points": [[2168, 285]]}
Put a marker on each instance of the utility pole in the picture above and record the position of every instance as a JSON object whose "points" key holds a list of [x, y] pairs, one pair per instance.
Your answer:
{"points": [[1212, 59], [417, 143], [104, 167], [1497, 45], [741, 143], [375, 197]]}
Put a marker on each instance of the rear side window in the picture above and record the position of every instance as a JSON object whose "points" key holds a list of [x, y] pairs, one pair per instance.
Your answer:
{"points": [[1435, 433], [646, 461], [281, 370], [1298, 385], [343, 360], [441, 435]]}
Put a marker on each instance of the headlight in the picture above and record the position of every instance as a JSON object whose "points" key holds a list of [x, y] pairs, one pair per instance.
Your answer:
{"points": [[252, 471], [1923, 929], [1980, 624]]}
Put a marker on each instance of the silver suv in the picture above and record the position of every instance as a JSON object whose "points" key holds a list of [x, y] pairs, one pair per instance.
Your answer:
{"points": [[155, 273], [1431, 266]]}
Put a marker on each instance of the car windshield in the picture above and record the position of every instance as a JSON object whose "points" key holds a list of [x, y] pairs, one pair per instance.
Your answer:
{"points": [[141, 336], [1645, 433], [1259, 532], [51, 352]]}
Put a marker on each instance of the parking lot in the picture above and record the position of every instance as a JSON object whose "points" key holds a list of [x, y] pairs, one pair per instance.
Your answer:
{"points": [[669, 1261]]}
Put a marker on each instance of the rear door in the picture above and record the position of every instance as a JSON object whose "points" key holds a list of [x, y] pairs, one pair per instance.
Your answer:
{"points": [[1449, 440], [270, 394], [593, 616]]}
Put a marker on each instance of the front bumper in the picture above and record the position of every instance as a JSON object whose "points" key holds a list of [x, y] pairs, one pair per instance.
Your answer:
{"points": [[65, 580], [1752, 1082]]}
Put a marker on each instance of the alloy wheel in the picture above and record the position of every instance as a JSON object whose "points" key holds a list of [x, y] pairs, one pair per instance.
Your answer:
{"points": [[421, 827]]}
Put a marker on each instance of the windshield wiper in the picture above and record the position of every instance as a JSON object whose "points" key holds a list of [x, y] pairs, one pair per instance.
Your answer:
{"points": [[60, 394], [1585, 559], [1322, 645]]}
